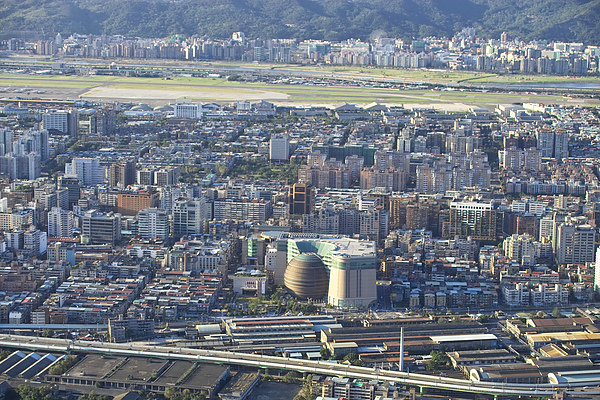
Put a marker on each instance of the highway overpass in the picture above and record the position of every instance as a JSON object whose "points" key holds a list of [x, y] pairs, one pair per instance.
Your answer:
{"points": [[270, 362]]}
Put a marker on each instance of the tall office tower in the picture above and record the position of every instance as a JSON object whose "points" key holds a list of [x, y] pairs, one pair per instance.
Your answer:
{"points": [[103, 122], [561, 144], [6, 141], [153, 223], [189, 216], [63, 122], [300, 198], [60, 223], [87, 170], [121, 174], [165, 176], [101, 228], [279, 147], [73, 187], [145, 177]]}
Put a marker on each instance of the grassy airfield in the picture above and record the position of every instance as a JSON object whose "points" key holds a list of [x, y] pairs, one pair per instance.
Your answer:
{"points": [[159, 91]]}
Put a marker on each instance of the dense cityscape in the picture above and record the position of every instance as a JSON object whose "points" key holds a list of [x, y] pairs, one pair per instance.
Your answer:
{"points": [[464, 51], [190, 249]]}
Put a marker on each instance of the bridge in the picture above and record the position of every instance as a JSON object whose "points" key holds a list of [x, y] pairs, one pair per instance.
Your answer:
{"points": [[305, 366]]}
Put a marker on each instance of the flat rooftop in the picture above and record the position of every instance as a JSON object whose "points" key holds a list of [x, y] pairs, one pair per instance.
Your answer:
{"points": [[174, 372], [463, 338], [94, 366], [344, 246], [205, 375], [240, 382], [137, 369]]}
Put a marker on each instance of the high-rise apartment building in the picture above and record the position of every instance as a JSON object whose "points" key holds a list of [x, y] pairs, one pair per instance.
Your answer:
{"points": [[64, 122], [103, 122], [60, 223], [121, 174], [279, 147], [300, 198], [468, 219], [153, 223], [87, 170], [73, 187], [189, 216], [553, 142], [574, 244]]}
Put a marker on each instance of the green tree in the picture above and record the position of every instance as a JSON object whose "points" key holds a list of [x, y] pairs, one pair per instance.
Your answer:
{"points": [[353, 358], [439, 360], [324, 353], [48, 333], [556, 312], [63, 366], [291, 377], [25, 392], [94, 396]]}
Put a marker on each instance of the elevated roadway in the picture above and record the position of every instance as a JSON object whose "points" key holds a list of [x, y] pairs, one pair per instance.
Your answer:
{"points": [[270, 362]]}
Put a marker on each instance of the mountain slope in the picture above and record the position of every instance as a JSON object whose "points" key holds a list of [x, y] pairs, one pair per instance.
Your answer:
{"points": [[577, 20]]}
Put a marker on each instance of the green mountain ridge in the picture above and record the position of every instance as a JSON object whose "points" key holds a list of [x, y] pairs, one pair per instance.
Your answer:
{"points": [[563, 20]]}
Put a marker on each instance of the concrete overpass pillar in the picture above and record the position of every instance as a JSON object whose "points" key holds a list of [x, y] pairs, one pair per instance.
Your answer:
{"points": [[421, 390]]}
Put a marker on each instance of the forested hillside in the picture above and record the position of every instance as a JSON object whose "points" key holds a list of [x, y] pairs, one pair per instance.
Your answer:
{"points": [[572, 20]]}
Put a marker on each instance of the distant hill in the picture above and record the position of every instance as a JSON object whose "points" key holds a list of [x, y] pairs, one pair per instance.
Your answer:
{"points": [[568, 20]]}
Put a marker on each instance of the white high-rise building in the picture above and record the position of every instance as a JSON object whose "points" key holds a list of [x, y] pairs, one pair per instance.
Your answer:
{"points": [[60, 222], [32, 142], [546, 227], [65, 122], [34, 162], [574, 244], [597, 271], [184, 108], [87, 170], [189, 216], [522, 248], [35, 241], [153, 223], [279, 148]]}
